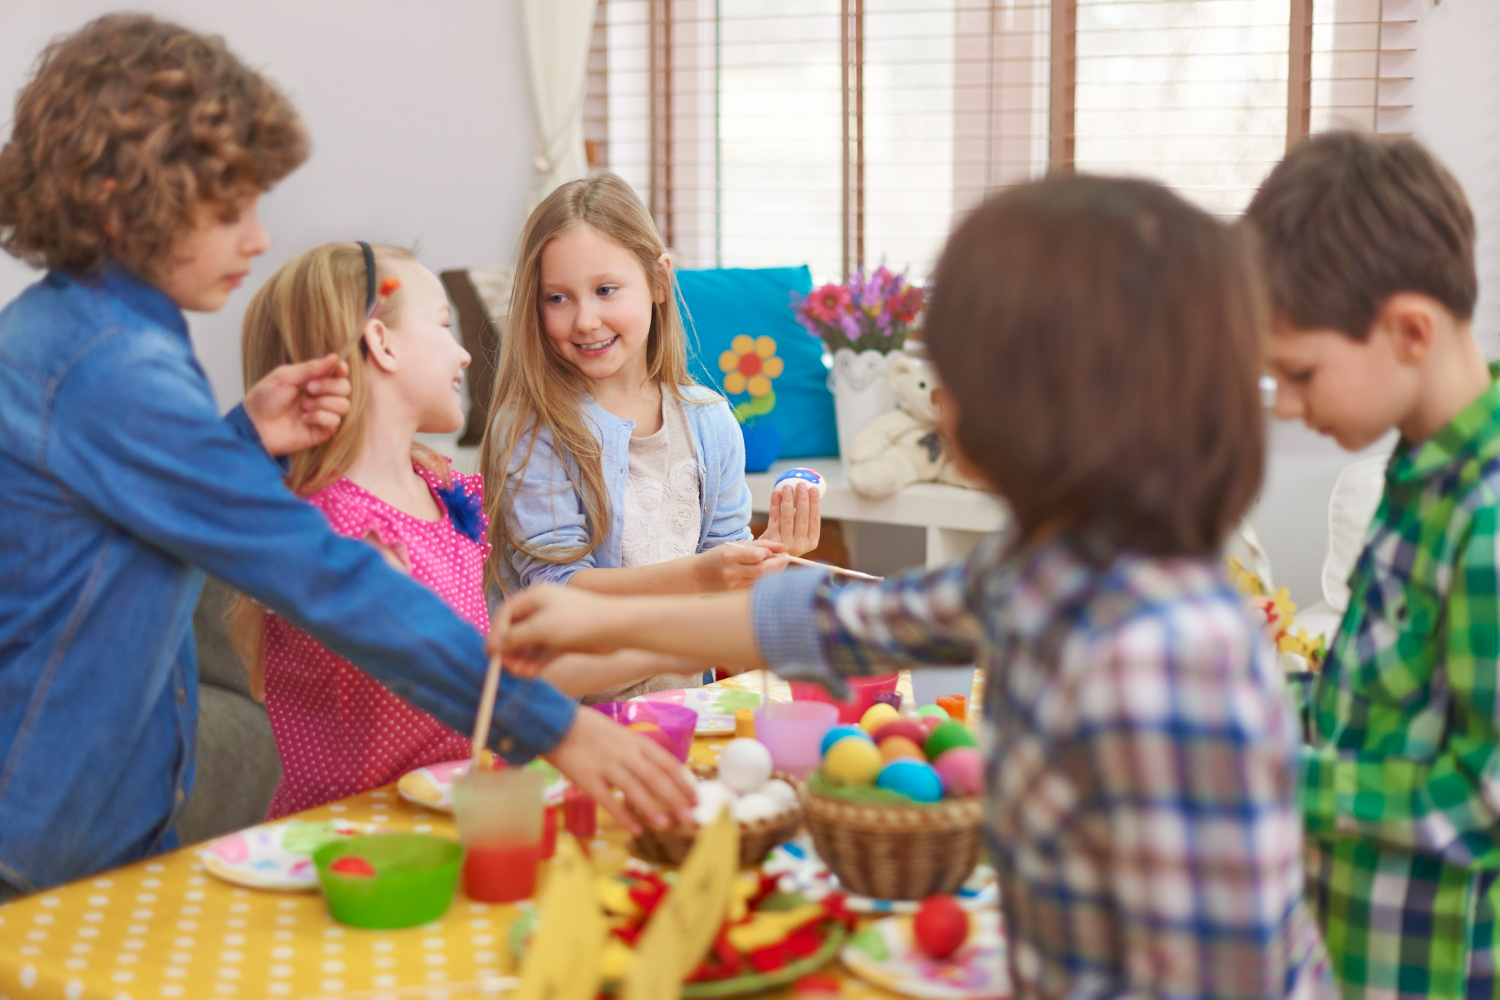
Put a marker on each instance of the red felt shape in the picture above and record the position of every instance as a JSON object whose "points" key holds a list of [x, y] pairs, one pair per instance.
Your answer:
{"points": [[941, 926], [352, 866]]}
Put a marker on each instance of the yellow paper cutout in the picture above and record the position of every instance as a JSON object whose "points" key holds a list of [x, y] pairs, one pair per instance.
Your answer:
{"points": [[563, 959], [688, 918]]}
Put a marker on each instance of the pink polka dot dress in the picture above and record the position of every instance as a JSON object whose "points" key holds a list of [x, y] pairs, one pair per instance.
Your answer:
{"points": [[338, 730]]}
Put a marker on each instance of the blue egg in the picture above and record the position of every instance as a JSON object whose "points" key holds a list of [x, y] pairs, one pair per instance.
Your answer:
{"points": [[911, 778], [839, 732]]}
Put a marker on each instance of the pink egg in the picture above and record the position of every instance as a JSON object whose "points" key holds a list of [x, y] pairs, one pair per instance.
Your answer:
{"points": [[929, 723], [962, 772]]}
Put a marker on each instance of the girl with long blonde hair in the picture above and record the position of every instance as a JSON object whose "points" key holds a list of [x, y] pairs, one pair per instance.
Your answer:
{"points": [[338, 730], [621, 474]]}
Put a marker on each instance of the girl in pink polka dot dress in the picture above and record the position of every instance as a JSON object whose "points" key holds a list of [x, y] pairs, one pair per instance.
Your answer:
{"points": [[338, 730]]}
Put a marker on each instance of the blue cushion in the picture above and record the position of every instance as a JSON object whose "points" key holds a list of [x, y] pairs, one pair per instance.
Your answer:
{"points": [[722, 304]]}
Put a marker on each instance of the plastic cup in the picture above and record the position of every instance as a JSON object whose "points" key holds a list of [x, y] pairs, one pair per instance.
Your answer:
{"points": [[862, 690], [793, 732], [499, 816], [674, 723], [928, 684]]}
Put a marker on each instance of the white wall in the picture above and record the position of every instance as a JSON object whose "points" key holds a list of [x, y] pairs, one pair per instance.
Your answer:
{"points": [[420, 116], [1456, 112]]}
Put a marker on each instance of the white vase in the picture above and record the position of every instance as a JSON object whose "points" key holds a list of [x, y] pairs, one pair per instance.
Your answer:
{"points": [[860, 392]]}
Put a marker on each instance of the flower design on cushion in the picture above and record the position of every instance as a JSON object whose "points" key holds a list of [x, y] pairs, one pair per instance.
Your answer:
{"points": [[749, 365]]}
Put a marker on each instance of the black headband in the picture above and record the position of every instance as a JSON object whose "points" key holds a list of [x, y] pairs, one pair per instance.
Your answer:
{"points": [[369, 277]]}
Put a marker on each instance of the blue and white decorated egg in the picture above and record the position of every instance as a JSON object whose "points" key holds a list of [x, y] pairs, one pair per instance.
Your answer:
{"points": [[802, 475]]}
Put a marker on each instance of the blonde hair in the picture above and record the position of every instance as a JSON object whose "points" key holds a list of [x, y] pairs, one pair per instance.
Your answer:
{"points": [[536, 390], [313, 306]]}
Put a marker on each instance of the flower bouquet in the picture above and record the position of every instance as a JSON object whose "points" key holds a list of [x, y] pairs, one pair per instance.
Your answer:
{"points": [[863, 322], [873, 312]]}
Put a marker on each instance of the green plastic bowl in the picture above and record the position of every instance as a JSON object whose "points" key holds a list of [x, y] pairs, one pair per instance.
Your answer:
{"points": [[414, 881]]}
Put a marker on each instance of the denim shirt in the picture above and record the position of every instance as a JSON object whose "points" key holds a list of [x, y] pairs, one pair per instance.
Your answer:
{"points": [[120, 485], [548, 512]]}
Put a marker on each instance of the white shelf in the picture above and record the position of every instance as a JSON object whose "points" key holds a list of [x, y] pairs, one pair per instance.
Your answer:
{"points": [[922, 505]]}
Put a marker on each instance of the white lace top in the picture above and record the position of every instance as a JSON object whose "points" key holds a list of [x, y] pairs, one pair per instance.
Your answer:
{"points": [[663, 516]]}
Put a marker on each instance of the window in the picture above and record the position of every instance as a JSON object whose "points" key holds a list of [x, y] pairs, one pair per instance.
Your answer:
{"points": [[849, 132]]}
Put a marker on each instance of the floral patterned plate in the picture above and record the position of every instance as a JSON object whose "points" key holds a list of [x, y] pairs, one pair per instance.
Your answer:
{"points": [[885, 955], [276, 855]]}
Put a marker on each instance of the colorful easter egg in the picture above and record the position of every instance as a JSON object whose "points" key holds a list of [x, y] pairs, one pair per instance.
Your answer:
{"points": [[800, 475], [853, 762], [644, 727], [877, 715], [897, 747], [962, 771], [947, 736], [933, 712], [901, 727], [929, 723], [912, 778], [840, 732], [745, 765], [940, 926]]}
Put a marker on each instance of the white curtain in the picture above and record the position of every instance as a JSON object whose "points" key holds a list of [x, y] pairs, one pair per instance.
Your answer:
{"points": [[558, 33]]}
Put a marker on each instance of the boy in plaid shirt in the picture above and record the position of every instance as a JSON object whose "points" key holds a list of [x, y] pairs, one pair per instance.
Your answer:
{"points": [[1099, 344], [1370, 258]]}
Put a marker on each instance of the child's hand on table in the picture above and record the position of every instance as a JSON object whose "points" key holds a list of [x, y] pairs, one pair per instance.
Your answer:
{"points": [[599, 756], [795, 518], [299, 406], [734, 565]]}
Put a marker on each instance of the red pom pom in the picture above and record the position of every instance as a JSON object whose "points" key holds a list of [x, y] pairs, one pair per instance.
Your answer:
{"points": [[388, 287], [353, 866], [941, 926]]}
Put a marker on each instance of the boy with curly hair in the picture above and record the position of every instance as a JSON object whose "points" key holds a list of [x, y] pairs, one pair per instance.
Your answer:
{"points": [[138, 152], [1369, 249]]}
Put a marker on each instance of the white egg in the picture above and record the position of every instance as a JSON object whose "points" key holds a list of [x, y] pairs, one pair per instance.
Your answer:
{"points": [[713, 797], [781, 793], [755, 806], [745, 765]]}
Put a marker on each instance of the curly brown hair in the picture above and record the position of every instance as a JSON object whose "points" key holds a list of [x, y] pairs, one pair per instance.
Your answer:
{"points": [[127, 127]]}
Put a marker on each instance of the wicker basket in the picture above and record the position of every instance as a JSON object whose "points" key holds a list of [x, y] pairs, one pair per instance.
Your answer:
{"points": [[671, 846], [894, 851]]}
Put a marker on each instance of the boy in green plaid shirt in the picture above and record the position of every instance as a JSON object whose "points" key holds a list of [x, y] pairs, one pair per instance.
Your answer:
{"points": [[1369, 248]]}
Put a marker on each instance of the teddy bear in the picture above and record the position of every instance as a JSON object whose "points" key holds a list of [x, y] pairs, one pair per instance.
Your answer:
{"points": [[903, 446]]}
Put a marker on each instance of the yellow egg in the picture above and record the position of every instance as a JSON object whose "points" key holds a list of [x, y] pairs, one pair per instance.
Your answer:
{"points": [[853, 762], [644, 727], [878, 715]]}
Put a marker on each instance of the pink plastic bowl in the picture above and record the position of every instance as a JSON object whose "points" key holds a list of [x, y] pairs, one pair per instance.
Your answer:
{"points": [[862, 689], [675, 720]]}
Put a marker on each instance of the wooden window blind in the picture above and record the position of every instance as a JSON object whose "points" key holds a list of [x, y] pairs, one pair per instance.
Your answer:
{"points": [[849, 132]]}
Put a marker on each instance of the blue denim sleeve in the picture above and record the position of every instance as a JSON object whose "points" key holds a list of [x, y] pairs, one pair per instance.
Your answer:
{"points": [[239, 422], [139, 438], [732, 506], [546, 513]]}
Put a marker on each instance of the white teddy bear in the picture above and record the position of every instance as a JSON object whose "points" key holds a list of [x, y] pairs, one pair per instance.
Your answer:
{"points": [[902, 447]]}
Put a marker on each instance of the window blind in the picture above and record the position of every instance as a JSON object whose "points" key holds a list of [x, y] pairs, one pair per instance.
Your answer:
{"points": [[853, 132]]}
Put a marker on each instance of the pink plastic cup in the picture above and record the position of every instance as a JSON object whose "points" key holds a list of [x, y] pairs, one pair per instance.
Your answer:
{"points": [[862, 689], [675, 721], [793, 731]]}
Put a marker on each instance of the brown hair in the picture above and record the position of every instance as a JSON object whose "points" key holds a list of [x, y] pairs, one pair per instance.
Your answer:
{"points": [[1347, 220], [536, 390], [127, 127], [1101, 341], [313, 306]]}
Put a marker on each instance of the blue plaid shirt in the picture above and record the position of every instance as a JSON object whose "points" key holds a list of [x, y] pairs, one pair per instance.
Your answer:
{"points": [[1141, 808]]}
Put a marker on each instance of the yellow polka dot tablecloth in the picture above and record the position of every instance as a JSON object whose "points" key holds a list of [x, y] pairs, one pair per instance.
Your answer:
{"points": [[165, 929]]}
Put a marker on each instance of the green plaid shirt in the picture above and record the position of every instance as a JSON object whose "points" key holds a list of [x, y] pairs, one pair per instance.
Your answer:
{"points": [[1401, 787]]}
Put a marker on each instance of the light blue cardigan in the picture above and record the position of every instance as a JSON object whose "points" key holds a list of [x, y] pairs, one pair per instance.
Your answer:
{"points": [[546, 510]]}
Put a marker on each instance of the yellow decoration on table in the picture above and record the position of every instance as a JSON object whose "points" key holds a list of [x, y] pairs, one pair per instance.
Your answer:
{"points": [[1314, 651], [745, 889], [768, 928], [1245, 581], [614, 896], [689, 917], [563, 959]]}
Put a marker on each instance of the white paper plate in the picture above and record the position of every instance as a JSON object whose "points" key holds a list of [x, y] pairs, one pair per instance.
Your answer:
{"points": [[276, 855], [885, 955], [432, 786]]}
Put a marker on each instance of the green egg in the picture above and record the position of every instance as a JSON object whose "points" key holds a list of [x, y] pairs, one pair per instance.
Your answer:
{"points": [[947, 736], [932, 712]]}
